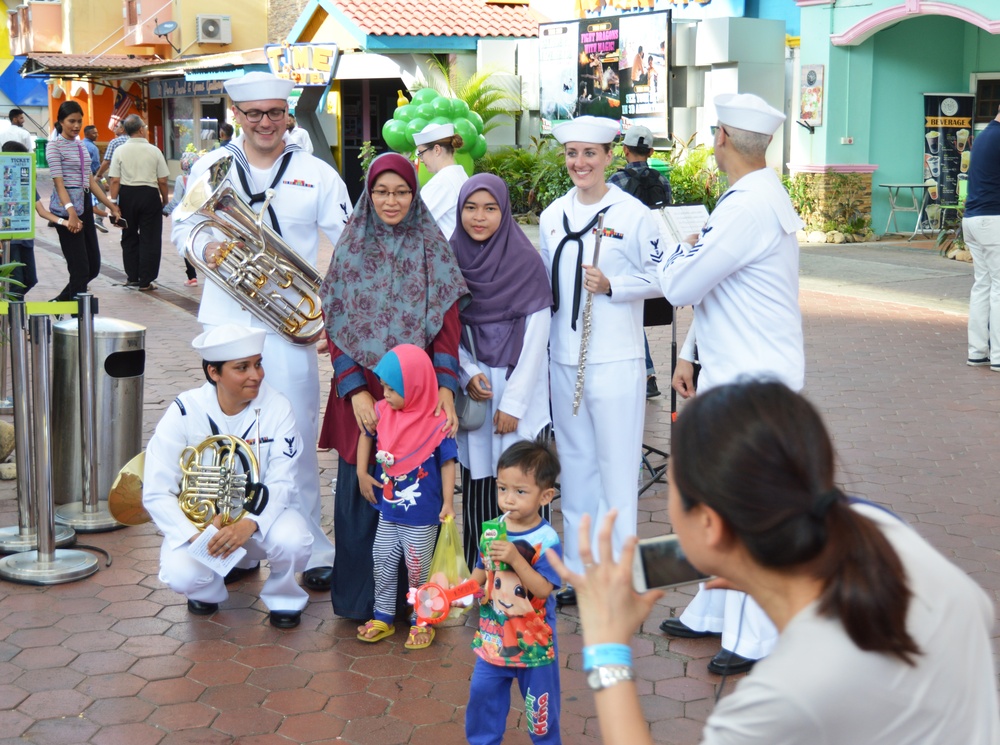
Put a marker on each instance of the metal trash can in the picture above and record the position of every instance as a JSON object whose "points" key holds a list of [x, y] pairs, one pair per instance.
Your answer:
{"points": [[40, 159], [120, 362]]}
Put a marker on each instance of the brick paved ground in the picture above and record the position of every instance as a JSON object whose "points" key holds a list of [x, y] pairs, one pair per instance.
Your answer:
{"points": [[116, 658]]}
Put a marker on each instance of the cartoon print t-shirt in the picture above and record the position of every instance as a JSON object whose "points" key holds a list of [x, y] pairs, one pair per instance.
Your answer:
{"points": [[415, 499], [514, 629]]}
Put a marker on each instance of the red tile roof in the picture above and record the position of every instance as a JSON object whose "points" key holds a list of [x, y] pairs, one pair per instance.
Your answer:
{"points": [[441, 17], [106, 62]]}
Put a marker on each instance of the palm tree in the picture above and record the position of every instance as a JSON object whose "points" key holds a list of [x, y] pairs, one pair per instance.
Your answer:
{"points": [[480, 91]]}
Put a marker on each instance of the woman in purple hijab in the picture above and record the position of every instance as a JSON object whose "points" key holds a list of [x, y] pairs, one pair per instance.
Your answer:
{"points": [[503, 355]]}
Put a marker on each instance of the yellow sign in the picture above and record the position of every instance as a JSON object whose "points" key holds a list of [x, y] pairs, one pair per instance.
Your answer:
{"points": [[947, 121], [306, 64]]}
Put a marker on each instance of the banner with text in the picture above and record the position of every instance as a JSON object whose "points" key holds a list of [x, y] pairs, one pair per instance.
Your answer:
{"points": [[616, 67], [947, 148]]}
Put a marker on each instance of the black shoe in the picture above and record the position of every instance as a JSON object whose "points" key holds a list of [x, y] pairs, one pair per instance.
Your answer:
{"points": [[198, 608], [729, 663], [676, 627], [237, 573], [566, 597], [131, 284], [318, 578], [285, 619], [651, 390]]}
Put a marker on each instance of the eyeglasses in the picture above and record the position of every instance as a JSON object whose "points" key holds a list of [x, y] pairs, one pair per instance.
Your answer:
{"points": [[254, 115], [383, 194], [716, 127], [420, 153]]}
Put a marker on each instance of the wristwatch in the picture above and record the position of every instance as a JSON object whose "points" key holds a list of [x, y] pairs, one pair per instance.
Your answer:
{"points": [[605, 676]]}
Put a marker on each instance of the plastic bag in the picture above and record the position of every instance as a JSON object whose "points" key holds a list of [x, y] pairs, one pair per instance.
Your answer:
{"points": [[448, 568]]}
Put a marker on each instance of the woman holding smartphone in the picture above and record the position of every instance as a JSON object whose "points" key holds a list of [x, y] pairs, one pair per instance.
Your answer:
{"points": [[73, 184], [882, 639]]}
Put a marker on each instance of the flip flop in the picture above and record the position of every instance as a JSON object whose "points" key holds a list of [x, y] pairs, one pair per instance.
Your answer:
{"points": [[414, 630], [384, 631]]}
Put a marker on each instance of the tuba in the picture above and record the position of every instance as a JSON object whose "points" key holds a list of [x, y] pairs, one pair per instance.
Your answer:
{"points": [[256, 267], [220, 477]]}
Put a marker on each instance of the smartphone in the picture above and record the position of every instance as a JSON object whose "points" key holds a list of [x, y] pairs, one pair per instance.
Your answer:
{"points": [[120, 223], [660, 562]]}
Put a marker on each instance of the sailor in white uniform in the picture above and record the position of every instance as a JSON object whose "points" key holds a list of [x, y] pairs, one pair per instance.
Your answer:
{"points": [[234, 401], [600, 447], [309, 196], [436, 146], [741, 274]]}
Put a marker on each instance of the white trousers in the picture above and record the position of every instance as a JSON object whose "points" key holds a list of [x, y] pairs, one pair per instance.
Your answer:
{"points": [[599, 450], [294, 372], [722, 610], [286, 548], [982, 236]]}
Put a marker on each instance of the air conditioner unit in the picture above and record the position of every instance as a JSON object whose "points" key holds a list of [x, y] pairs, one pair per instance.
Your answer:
{"points": [[215, 29]]}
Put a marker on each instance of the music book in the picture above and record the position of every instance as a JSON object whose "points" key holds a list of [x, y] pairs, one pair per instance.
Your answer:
{"points": [[678, 221]]}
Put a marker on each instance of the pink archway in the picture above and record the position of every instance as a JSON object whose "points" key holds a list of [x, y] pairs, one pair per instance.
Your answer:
{"points": [[874, 23]]}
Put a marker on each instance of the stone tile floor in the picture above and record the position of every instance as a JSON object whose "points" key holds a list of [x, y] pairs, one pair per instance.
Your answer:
{"points": [[116, 658]]}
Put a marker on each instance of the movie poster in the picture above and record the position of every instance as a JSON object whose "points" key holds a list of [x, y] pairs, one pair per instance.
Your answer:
{"points": [[17, 208], [615, 67]]}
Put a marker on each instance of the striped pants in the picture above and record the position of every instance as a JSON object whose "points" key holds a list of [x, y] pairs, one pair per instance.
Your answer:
{"points": [[393, 541]]}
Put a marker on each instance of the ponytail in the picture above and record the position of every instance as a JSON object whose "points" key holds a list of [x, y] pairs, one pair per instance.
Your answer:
{"points": [[768, 473], [865, 584]]}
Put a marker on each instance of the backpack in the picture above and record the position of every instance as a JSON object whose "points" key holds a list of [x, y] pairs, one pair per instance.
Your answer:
{"points": [[647, 187]]}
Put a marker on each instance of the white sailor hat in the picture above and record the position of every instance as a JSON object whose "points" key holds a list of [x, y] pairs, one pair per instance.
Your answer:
{"points": [[433, 133], [748, 112], [229, 342], [597, 129], [258, 86]]}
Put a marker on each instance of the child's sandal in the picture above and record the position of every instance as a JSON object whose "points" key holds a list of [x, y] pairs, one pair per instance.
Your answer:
{"points": [[384, 631], [415, 631]]}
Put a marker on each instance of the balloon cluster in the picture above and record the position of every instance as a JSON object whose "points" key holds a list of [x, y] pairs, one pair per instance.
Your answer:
{"points": [[430, 107]]}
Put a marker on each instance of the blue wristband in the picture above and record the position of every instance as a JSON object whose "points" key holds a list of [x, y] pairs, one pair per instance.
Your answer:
{"points": [[606, 654]]}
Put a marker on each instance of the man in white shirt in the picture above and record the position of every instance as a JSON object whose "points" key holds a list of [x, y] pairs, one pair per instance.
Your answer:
{"points": [[309, 196], [16, 131], [741, 276], [298, 135]]}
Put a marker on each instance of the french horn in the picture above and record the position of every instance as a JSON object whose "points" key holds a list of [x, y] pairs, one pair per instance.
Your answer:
{"points": [[220, 477], [256, 266]]}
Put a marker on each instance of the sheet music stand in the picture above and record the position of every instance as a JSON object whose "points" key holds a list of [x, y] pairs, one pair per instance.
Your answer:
{"points": [[659, 312]]}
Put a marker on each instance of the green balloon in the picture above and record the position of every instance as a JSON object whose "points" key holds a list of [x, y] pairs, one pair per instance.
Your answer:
{"points": [[476, 120], [414, 126], [394, 134], [426, 111], [440, 120], [425, 95], [467, 131], [442, 107], [405, 113], [465, 160], [479, 149], [459, 108]]}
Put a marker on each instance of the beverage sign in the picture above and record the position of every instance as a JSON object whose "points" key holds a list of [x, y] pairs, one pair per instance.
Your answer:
{"points": [[947, 145]]}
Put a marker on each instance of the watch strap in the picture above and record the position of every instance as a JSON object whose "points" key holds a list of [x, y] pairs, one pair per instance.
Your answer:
{"points": [[605, 676]]}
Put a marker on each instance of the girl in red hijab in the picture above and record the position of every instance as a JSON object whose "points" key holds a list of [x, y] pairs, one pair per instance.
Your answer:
{"points": [[413, 486]]}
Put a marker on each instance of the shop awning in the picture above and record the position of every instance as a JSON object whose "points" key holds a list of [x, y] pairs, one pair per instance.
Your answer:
{"points": [[223, 73], [23, 91]]}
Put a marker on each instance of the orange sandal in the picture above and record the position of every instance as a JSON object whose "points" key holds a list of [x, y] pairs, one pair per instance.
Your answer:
{"points": [[415, 631], [383, 631]]}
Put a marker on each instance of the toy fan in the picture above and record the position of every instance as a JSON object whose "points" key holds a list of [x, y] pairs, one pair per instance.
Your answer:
{"points": [[432, 601]]}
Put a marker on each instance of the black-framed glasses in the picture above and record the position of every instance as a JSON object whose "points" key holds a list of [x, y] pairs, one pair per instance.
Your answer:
{"points": [[399, 195], [716, 127], [255, 115], [420, 153]]}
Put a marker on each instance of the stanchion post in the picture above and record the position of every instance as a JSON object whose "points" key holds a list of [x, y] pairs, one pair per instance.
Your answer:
{"points": [[5, 402]]}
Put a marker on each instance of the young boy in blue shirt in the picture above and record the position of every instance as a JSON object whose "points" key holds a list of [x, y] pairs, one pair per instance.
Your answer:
{"points": [[517, 625]]}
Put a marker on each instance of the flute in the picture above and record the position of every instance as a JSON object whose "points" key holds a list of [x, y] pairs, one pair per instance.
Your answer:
{"points": [[588, 312]]}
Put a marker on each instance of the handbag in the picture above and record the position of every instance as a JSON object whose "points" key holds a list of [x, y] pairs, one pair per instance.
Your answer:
{"points": [[471, 413], [56, 206]]}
